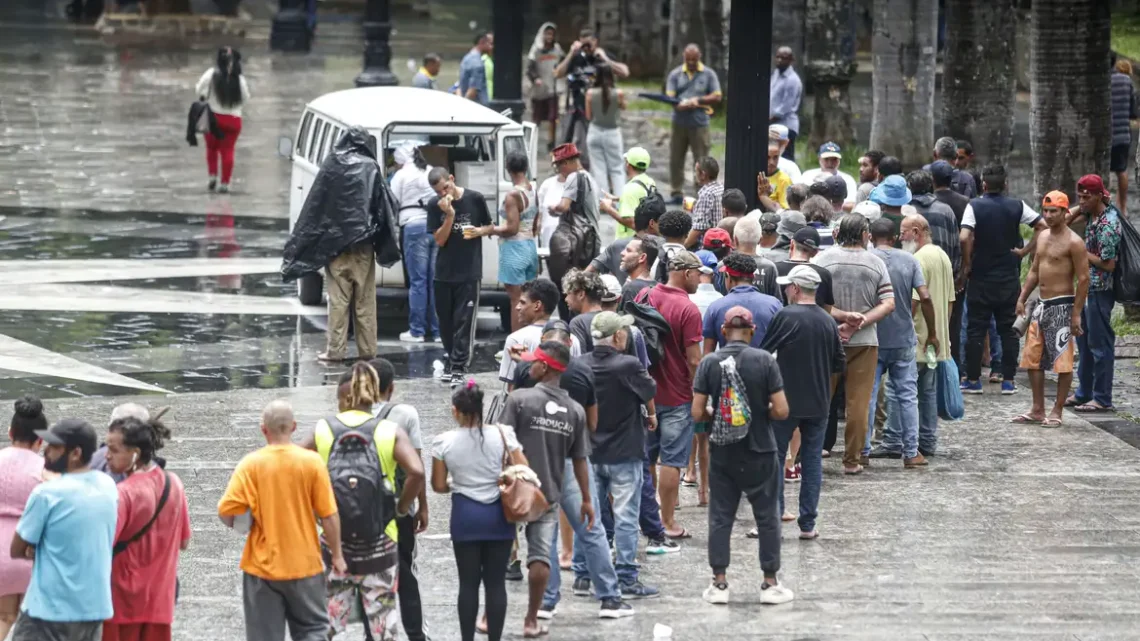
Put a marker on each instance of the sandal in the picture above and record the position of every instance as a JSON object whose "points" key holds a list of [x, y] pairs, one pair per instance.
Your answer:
{"points": [[1051, 422], [683, 535], [1072, 401], [851, 471], [787, 517], [1026, 419], [1093, 408]]}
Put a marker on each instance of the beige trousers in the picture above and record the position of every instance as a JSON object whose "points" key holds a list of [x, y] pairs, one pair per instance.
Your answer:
{"points": [[351, 283]]}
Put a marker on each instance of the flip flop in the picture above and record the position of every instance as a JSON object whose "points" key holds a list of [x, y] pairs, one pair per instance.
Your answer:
{"points": [[1026, 419], [1089, 408], [1073, 402], [1051, 422], [683, 535]]}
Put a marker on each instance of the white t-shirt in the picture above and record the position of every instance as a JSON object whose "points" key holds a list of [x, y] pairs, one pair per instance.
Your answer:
{"points": [[205, 87], [410, 187], [530, 337], [1028, 216], [815, 175], [789, 167], [474, 460], [549, 195]]}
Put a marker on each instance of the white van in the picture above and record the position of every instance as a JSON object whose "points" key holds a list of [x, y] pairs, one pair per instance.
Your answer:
{"points": [[470, 139]]}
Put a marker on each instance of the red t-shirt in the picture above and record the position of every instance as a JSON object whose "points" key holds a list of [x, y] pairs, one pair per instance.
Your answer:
{"points": [[143, 576], [674, 383]]}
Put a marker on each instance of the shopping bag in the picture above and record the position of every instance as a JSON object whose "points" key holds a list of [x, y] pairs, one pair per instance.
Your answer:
{"points": [[950, 404]]}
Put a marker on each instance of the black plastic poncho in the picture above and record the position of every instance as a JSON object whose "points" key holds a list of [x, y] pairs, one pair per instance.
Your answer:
{"points": [[349, 203]]}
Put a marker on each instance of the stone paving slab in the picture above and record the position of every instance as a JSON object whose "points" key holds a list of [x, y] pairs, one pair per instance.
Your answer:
{"points": [[1014, 532]]}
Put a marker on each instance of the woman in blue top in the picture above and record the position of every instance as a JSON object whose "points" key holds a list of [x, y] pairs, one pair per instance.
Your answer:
{"points": [[518, 251]]}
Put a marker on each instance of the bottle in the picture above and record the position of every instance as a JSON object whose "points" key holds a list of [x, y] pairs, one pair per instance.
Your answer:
{"points": [[931, 357]]}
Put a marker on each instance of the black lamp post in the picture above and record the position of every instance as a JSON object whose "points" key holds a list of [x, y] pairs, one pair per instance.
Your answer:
{"points": [[377, 52], [507, 22], [749, 68], [290, 30]]}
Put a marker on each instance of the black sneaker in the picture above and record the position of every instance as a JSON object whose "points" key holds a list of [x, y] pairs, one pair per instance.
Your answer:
{"points": [[882, 452], [457, 379], [581, 587], [638, 590], [615, 609], [663, 545], [212, 185], [925, 452], [514, 571]]}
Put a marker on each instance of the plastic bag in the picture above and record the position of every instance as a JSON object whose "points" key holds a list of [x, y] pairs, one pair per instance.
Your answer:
{"points": [[951, 407], [1126, 278]]}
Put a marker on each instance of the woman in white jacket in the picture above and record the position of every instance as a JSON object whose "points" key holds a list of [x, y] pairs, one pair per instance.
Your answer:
{"points": [[411, 188], [224, 87]]}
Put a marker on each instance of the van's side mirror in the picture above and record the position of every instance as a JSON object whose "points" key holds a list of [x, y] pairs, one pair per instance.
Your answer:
{"points": [[285, 147]]}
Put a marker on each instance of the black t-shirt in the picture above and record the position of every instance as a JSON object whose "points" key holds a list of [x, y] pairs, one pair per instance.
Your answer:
{"points": [[577, 380], [761, 378], [805, 340], [580, 328], [459, 260], [633, 287], [823, 295]]}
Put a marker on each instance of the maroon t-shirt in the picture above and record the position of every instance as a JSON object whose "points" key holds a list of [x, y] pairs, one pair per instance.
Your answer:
{"points": [[674, 383]]}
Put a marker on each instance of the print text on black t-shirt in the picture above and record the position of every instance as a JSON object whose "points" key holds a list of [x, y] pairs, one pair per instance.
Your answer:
{"points": [[459, 260]]}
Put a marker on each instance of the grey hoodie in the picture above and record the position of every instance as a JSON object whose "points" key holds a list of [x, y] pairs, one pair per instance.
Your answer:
{"points": [[541, 62]]}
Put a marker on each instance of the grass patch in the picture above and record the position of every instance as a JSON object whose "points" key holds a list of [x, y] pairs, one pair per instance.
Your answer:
{"points": [[1126, 35], [633, 87], [1122, 325]]}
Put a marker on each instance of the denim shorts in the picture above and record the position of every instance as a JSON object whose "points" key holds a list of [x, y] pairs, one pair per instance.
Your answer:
{"points": [[540, 536], [671, 442]]}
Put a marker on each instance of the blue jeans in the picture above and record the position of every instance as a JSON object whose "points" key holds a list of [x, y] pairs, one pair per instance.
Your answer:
{"points": [[591, 550], [622, 481], [900, 432], [649, 517], [419, 258], [927, 408], [812, 431], [995, 343], [1097, 345]]}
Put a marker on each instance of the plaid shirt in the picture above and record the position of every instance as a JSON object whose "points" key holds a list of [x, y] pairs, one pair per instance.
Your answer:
{"points": [[707, 211]]}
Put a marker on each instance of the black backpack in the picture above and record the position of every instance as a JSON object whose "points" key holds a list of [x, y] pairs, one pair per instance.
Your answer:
{"points": [[365, 500], [652, 324]]}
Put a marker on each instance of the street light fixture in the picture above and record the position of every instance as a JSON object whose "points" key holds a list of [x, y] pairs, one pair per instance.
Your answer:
{"points": [[377, 52]]}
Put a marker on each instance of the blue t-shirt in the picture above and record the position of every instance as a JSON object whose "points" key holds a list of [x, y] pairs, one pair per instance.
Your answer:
{"points": [[763, 307], [897, 330], [472, 73], [71, 521]]}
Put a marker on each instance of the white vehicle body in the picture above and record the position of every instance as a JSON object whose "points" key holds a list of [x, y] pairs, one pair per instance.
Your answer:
{"points": [[471, 139]]}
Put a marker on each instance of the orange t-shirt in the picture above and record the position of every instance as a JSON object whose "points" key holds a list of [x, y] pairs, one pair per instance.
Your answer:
{"points": [[285, 488]]}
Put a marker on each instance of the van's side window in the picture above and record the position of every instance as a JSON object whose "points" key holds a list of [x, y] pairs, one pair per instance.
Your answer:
{"points": [[324, 141], [303, 135], [315, 143], [337, 131]]}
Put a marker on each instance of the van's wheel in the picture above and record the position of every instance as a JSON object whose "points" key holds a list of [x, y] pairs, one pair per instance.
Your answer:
{"points": [[505, 317], [310, 288]]}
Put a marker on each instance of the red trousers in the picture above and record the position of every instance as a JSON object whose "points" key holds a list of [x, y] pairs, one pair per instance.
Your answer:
{"points": [[136, 632], [231, 127]]}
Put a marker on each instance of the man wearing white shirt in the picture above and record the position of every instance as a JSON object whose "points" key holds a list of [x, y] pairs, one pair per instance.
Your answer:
{"points": [[829, 156]]}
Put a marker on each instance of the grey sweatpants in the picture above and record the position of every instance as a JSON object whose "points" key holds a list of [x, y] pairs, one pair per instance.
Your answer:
{"points": [[29, 628], [736, 470], [270, 605]]}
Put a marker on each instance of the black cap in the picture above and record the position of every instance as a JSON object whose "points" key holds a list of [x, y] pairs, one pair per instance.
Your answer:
{"points": [[836, 188], [807, 237], [71, 433], [556, 323]]}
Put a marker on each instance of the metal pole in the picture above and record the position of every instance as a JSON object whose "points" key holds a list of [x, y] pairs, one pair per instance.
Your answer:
{"points": [[377, 52], [749, 70], [507, 19]]}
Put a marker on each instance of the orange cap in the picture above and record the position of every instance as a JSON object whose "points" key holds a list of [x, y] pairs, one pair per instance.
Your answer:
{"points": [[1056, 199]]}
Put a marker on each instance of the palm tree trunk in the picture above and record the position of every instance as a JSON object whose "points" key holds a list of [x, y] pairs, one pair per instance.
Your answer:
{"points": [[902, 121], [714, 18], [831, 66], [1070, 116], [684, 28], [788, 27], [979, 75]]}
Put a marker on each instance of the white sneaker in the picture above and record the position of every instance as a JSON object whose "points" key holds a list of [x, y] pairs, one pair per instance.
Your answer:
{"points": [[716, 595], [775, 594], [406, 337]]}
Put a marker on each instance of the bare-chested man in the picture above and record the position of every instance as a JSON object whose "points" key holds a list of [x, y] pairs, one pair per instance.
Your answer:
{"points": [[1056, 320]]}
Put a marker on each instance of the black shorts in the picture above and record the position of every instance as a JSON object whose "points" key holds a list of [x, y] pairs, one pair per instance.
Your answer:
{"points": [[1118, 161], [544, 109]]}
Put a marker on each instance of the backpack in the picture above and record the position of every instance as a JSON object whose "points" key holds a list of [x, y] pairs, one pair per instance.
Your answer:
{"points": [[732, 414], [364, 490], [577, 231], [653, 326]]}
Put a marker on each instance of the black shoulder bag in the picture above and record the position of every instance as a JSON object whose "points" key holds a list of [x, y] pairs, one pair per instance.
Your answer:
{"points": [[122, 545]]}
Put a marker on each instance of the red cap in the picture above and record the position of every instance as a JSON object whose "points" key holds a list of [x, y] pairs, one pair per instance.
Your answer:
{"points": [[738, 317], [543, 357], [735, 274], [566, 152], [1092, 184], [716, 238]]}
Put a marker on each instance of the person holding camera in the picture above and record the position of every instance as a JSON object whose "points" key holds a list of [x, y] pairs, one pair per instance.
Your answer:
{"points": [[580, 69]]}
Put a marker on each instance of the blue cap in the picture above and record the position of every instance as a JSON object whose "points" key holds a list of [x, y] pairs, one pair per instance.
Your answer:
{"points": [[830, 150], [708, 259], [892, 192], [942, 172]]}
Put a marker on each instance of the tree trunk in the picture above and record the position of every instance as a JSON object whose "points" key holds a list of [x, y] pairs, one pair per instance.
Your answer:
{"points": [[788, 28], [902, 120], [1070, 118], [831, 66], [714, 19], [684, 28], [978, 76]]}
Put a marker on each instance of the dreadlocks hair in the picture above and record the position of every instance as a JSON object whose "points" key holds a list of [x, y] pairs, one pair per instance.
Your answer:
{"points": [[363, 385], [148, 436]]}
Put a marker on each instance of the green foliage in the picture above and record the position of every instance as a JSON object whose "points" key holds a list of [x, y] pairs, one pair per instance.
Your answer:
{"points": [[1126, 34]]}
